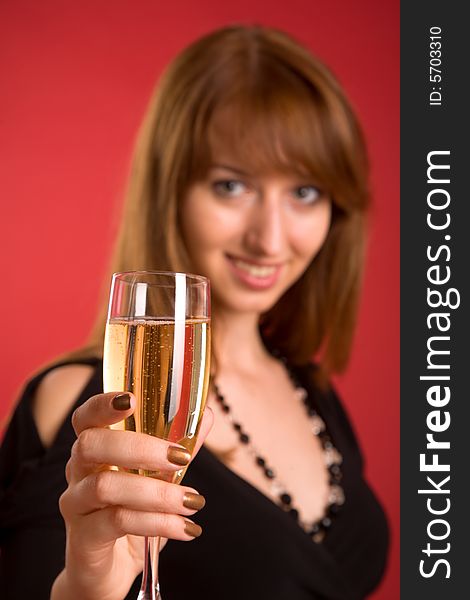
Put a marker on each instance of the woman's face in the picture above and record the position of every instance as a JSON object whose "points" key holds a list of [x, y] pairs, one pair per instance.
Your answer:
{"points": [[252, 235]]}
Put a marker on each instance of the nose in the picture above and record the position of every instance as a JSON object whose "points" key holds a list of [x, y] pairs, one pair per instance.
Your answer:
{"points": [[266, 227]]}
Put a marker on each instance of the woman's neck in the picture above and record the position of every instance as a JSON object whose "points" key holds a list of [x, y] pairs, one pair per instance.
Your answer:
{"points": [[237, 342]]}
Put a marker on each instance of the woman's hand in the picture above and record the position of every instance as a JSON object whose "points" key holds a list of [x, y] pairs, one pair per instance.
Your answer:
{"points": [[107, 511]]}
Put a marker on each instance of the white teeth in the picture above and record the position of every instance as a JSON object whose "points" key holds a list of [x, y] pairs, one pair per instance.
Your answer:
{"points": [[254, 270]]}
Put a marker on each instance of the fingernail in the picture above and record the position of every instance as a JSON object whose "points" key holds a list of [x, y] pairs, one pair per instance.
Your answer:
{"points": [[193, 501], [178, 456], [121, 402], [192, 529]]}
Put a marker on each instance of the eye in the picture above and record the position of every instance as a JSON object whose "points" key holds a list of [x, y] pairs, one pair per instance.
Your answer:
{"points": [[307, 194], [229, 188]]}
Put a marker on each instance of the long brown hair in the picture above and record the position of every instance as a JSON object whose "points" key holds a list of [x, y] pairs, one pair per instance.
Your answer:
{"points": [[287, 112]]}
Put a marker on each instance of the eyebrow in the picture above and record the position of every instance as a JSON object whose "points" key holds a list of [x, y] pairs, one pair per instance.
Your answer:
{"points": [[229, 168]]}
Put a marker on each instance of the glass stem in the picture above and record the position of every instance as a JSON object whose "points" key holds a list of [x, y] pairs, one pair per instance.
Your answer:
{"points": [[150, 588]]}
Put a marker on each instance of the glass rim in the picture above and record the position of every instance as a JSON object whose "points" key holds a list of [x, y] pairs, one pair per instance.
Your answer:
{"points": [[194, 279]]}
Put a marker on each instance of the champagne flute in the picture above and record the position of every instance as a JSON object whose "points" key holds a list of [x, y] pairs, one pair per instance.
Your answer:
{"points": [[157, 346]]}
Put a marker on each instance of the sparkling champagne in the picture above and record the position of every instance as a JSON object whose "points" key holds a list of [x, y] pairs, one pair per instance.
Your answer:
{"points": [[165, 364]]}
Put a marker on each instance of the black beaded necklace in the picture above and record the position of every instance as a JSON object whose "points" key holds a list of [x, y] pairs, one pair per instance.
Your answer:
{"points": [[333, 459]]}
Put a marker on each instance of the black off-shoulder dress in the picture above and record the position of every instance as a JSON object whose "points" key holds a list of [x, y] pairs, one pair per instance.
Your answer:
{"points": [[250, 548]]}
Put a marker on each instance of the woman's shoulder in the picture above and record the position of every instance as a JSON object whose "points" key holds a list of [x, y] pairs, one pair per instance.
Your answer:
{"points": [[41, 413], [55, 394]]}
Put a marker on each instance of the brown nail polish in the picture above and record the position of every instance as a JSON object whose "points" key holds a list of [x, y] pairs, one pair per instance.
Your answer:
{"points": [[178, 456], [121, 402], [193, 501], [192, 529]]}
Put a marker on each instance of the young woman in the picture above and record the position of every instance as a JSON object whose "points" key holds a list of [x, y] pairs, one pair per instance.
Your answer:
{"points": [[251, 170]]}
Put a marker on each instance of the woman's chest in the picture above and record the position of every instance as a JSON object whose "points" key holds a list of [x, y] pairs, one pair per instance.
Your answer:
{"points": [[275, 447]]}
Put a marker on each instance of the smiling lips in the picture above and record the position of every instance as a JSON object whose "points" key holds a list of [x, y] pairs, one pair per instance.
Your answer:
{"points": [[254, 275]]}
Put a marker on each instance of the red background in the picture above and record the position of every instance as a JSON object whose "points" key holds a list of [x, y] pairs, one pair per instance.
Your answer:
{"points": [[76, 77]]}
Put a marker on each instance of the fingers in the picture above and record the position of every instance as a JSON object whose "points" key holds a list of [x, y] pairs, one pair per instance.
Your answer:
{"points": [[97, 446], [111, 523], [102, 410], [110, 408], [114, 488], [125, 449]]}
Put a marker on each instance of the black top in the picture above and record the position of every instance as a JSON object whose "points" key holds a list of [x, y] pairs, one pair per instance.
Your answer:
{"points": [[250, 548]]}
